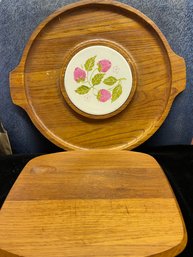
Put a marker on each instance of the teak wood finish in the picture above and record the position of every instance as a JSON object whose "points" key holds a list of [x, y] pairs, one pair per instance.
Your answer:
{"points": [[98, 203], [94, 203], [36, 82]]}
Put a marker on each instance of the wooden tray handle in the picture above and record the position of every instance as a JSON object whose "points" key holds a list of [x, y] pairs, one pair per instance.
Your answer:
{"points": [[178, 74], [16, 79], [178, 65]]}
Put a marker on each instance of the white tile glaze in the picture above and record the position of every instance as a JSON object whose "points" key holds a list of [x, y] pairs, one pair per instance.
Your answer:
{"points": [[101, 99]]}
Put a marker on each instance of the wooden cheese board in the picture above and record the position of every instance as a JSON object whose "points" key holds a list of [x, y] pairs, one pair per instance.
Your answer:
{"points": [[98, 76], [94, 203], [157, 77]]}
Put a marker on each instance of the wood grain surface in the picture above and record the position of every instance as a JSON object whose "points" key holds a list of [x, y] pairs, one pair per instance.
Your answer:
{"points": [[36, 82], [95, 203]]}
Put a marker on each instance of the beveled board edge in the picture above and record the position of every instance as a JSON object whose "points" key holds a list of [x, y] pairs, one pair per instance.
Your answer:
{"points": [[19, 95]]}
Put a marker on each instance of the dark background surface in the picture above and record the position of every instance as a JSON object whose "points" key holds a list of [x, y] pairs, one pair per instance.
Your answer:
{"points": [[18, 19], [176, 161]]}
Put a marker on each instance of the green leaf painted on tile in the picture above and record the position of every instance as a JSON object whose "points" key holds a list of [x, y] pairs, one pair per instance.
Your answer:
{"points": [[82, 90], [110, 81], [117, 91], [89, 64], [96, 80]]}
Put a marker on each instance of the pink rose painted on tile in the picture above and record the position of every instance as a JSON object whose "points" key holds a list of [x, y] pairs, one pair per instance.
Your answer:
{"points": [[94, 74], [104, 65], [103, 95], [79, 75]]}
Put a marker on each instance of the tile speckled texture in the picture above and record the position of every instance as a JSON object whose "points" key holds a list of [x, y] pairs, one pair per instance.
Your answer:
{"points": [[18, 19]]}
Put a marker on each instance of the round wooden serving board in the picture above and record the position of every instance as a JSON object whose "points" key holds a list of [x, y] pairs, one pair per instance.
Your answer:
{"points": [[159, 75], [94, 203]]}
